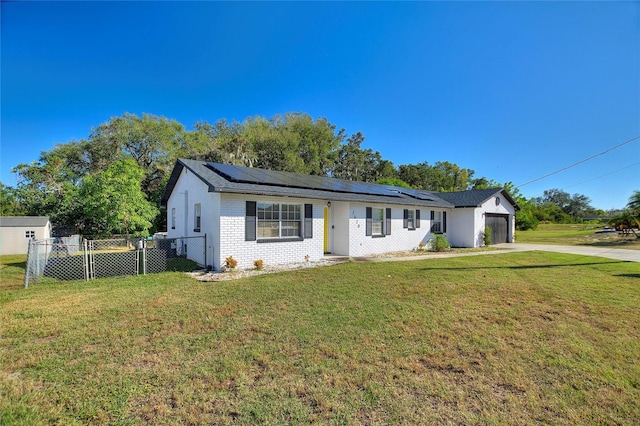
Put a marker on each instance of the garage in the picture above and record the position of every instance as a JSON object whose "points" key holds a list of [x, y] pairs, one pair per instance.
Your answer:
{"points": [[499, 225]]}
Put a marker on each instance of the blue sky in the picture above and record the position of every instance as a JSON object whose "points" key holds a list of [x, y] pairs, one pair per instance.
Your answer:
{"points": [[512, 90]]}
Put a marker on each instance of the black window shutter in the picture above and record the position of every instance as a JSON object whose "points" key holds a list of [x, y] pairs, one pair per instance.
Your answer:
{"points": [[433, 215], [417, 218], [308, 221], [444, 221], [369, 223], [405, 218], [387, 225], [250, 222]]}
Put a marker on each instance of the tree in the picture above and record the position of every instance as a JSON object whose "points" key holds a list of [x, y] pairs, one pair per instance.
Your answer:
{"points": [[634, 202], [153, 142], [393, 182], [272, 147], [576, 206], [365, 165], [114, 202], [626, 221], [9, 206], [47, 187], [441, 177], [317, 141]]}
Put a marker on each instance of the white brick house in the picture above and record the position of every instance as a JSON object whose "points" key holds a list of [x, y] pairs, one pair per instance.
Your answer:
{"points": [[282, 217]]}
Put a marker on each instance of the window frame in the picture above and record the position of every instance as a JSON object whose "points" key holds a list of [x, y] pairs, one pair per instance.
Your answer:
{"points": [[30, 234], [375, 221], [290, 218], [436, 222], [197, 217], [173, 218]]}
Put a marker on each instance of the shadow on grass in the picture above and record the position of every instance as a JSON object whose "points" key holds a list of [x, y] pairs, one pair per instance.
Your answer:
{"points": [[556, 265], [22, 265], [628, 275]]}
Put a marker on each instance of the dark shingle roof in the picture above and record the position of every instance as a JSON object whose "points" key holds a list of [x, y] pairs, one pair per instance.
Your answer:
{"points": [[217, 183], [474, 197], [23, 221], [339, 190]]}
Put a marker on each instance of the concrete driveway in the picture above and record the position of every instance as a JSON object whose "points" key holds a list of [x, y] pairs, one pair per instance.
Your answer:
{"points": [[610, 253]]}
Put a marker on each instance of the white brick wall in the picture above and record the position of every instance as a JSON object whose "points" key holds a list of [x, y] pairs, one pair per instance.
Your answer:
{"points": [[232, 243], [400, 239]]}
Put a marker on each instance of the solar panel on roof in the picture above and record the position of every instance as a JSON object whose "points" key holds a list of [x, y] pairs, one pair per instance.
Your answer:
{"points": [[414, 193], [294, 180]]}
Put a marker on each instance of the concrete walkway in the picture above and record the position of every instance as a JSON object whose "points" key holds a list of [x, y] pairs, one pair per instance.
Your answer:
{"points": [[610, 253]]}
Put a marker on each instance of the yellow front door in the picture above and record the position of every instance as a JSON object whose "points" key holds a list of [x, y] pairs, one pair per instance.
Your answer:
{"points": [[326, 229]]}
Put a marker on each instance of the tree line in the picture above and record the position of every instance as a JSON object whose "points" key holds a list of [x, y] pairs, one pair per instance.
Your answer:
{"points": [[111, 181]]}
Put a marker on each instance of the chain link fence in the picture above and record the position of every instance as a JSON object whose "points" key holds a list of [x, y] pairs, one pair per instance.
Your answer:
{"points": [[75, 259]]}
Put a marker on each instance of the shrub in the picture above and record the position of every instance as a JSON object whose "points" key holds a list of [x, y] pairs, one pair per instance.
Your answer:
{"points": [[230, 263], [259, 264], [486, 236], [439, 243]]}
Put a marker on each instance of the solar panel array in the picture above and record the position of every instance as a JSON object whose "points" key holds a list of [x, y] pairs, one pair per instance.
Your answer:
{"points": [[413, 193], [294, 180]]}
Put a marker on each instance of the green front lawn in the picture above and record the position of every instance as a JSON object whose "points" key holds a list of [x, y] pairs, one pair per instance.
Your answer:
{"points": [[519, 338], [576, 234]]}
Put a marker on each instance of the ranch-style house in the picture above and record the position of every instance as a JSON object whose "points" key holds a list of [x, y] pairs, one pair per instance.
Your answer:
{"points": [[282, 217]]}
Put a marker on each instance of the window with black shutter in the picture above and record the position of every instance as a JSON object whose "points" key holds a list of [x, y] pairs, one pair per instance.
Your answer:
{"points": [[387, 225], [250, 221], [308, 221]]}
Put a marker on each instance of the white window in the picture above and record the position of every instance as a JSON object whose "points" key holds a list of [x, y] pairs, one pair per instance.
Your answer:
{"points": [[436, 222], [411, 219], [197, 216], [279, 220], [173, 218], [377, 221], [29, 234]]}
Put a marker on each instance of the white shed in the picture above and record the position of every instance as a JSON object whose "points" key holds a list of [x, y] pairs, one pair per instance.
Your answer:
{"points": [[16, 231]]}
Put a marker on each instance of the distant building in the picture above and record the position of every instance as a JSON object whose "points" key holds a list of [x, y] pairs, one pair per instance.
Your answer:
{"points": [[16, 231]]}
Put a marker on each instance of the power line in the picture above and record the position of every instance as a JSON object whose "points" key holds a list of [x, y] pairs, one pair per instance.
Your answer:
{"points": [[600, 177], [579, 162]]}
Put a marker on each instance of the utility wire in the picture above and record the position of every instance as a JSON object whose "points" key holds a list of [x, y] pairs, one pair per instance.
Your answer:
{"points": [[579, 162], [599, 177]]}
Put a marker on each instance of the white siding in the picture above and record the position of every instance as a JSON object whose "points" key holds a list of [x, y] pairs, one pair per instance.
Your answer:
{"points": [[188, 191], [462, 227], [466, 226], [13, 240], [504, 207]]}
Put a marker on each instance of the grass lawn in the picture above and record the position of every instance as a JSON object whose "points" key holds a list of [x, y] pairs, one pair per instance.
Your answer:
{"points": [[518, 338], [576, 234]]}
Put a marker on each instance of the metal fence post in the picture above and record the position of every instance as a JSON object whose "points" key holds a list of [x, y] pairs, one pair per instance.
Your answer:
{"points": [[85, 259], [26, 272], [204, 251]]}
